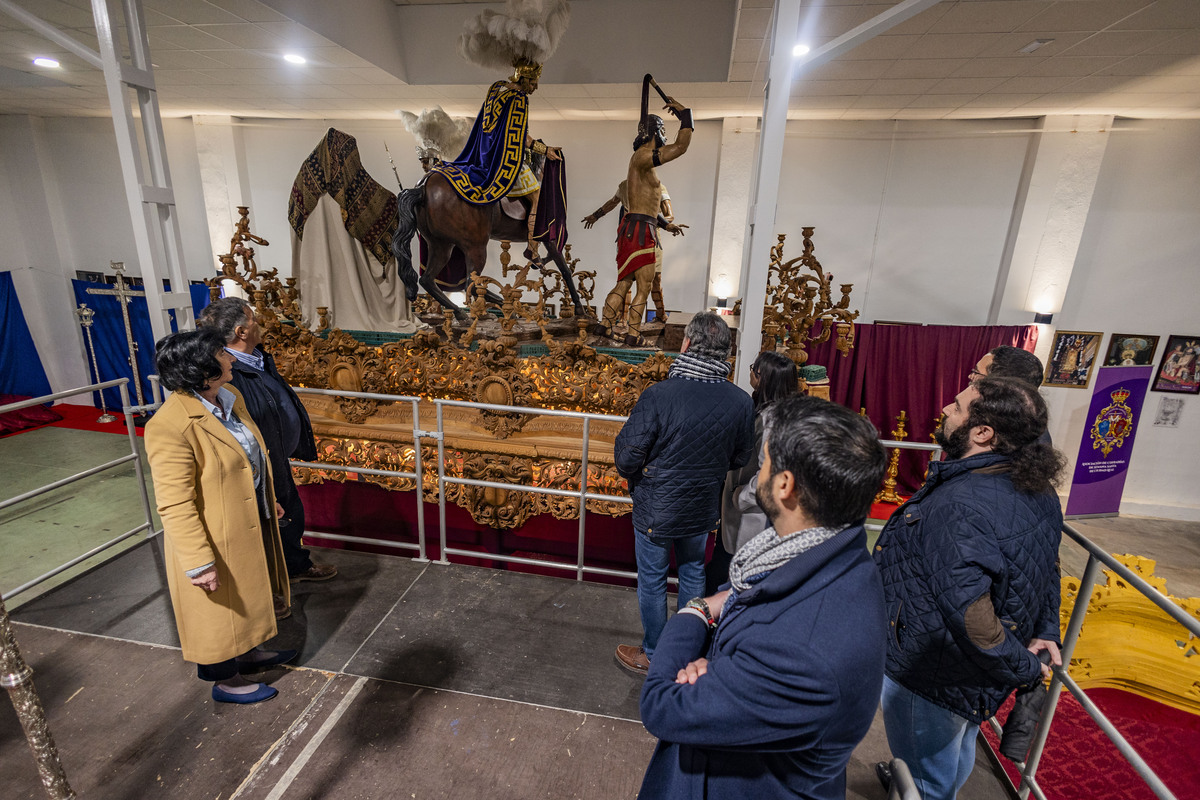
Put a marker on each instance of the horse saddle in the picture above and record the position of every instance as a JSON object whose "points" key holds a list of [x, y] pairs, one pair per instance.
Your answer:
{"points": [[514, 208]]}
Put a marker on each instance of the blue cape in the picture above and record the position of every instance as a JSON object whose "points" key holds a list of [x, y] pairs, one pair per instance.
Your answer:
{"points": [[488, 165]]}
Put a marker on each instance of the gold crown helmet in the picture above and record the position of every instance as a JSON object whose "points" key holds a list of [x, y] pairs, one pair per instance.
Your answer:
{"points": [[524, 68]]}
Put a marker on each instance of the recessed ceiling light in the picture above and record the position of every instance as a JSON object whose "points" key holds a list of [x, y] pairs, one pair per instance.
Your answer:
{"points": [[49, 63], [1034, 45], [292, 58], [799, 50]]}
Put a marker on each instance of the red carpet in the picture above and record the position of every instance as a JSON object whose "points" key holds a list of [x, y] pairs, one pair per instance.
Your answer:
{"points": [[1080, 763], [83, 418]]}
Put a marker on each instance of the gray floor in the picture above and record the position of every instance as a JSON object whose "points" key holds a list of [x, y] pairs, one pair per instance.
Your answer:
{"points": [[414, 679]]}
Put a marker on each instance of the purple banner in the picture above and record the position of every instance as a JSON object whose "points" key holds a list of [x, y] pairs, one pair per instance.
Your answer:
{"points": [[1107, 442]]}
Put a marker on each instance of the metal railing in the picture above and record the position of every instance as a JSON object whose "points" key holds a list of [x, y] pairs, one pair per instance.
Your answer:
{"points": [[932, 449], [134, 457], [1097, 559], [417, 475]]}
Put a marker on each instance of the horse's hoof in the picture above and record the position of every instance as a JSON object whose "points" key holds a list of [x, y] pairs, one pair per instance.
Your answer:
{"points": [[632, 340], [461, 316]]}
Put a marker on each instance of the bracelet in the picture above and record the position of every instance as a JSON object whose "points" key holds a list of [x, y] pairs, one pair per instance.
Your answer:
{"points": [[685, 119], [661, 222], [539, 147], [599, 212], [700, 605]]}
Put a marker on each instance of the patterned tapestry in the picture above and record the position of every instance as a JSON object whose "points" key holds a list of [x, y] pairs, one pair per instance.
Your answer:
{"points": [[334, 168]]}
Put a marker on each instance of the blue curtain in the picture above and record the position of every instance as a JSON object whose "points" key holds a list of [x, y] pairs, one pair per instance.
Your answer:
{"points": [[108, 336], [21, 370]]}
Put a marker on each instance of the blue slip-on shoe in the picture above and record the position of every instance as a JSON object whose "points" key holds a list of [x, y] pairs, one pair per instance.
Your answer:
{"points": [[263, 692], [280, 657]]}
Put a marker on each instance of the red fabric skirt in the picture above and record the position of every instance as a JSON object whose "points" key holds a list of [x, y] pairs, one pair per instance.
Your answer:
{"points": [[637, 239]]}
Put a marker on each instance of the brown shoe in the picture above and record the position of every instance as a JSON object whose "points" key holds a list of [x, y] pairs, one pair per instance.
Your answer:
{"points": [[317, 572], [633, 658], [282, 609]]}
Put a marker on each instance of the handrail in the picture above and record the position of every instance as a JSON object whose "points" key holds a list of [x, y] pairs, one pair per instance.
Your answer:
{"points": [[1060, 676], [134, 456]]}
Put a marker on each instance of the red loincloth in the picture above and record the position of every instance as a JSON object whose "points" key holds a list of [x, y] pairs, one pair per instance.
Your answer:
{"points": [[637, 238]]}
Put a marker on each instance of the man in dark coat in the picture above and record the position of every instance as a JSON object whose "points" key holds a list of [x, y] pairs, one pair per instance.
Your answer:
{"points": [[683, 436], [764, 689], [970, 580], [281, 418]]}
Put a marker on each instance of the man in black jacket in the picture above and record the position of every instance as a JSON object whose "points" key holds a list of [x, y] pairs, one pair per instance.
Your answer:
{"points": [[969, 581], [683, 436], [280, 417]]}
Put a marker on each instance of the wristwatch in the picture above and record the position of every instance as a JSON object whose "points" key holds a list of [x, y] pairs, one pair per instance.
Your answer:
{"points": [[700, 605]]}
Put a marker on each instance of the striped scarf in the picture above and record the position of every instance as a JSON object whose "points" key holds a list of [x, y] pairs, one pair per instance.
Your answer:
{"points": [[767, 552], [699, 368]]}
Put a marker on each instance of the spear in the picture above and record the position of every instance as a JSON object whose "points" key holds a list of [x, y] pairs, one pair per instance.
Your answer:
{"points": [[393, 163]]}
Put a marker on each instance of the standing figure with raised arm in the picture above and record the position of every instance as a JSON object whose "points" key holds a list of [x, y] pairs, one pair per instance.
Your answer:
{"points": [[637, 236]]}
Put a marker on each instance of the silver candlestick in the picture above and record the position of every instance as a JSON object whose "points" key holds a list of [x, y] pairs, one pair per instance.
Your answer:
{"points": [[85, 315]]}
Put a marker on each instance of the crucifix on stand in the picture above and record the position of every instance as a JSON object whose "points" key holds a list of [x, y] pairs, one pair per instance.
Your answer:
{"points": [[124, 293]]}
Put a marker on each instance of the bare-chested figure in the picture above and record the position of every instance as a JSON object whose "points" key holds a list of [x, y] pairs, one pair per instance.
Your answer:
{"points": [[637, 235]]}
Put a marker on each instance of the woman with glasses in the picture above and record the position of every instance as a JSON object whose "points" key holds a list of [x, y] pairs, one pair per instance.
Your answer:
{"points": [[212, 483], [773, 376]]}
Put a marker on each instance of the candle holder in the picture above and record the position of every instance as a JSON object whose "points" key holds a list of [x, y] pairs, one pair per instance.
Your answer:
{"points": [[86, 315]]}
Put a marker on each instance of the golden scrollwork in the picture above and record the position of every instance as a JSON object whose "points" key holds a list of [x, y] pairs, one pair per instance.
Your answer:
{"points": [[796, 302]]}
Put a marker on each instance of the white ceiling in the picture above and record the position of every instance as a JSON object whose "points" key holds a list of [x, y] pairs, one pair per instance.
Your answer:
{"points": [[369, 58]]}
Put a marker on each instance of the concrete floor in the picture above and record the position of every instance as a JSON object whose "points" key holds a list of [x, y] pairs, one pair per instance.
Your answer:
{"points": [[414, 680]]}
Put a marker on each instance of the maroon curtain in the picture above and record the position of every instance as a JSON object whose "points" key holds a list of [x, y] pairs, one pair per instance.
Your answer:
{"points": [[913, 368]]}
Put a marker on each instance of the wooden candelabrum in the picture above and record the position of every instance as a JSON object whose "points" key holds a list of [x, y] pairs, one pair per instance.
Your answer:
{"points": [[888, 493]]}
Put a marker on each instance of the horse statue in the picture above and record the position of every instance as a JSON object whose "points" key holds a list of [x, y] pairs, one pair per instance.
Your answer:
{"points": [[435, 210]]}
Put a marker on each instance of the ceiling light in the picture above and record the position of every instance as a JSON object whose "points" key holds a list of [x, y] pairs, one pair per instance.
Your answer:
{"points": [[49, 63], [292, 58], [1034, 45], [800, 50]]}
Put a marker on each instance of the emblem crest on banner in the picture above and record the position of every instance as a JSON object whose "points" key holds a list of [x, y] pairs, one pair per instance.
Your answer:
{"points": [[1112, 424]]}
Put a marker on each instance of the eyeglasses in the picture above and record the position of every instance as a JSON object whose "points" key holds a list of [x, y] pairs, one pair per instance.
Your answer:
{"points": [[974, 374]]}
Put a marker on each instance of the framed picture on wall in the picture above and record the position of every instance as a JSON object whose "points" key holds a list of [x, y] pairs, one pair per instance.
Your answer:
{"points": [[1179, 365], [1131, 350], [1071, 359]]}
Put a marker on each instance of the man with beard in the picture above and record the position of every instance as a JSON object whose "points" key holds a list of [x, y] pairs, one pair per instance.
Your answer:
{"points": [[765, 688], [969, 577]]}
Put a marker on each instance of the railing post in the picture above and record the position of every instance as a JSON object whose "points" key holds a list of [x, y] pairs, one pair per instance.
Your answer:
{"points": [[131, 429], [583, 480], [441, 485], [16, 677], [1091, 573], [419, 470]]}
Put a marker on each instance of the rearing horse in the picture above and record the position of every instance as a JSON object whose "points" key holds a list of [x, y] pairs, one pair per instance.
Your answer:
{"points": [[433, 209]]}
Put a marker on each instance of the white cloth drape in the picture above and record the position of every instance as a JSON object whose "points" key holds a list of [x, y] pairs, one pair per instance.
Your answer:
{"points": [[334, 270]]}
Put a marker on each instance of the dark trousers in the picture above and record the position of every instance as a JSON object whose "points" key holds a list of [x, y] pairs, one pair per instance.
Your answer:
{"points": [[221, 671], [717, 571], [291, 530]]}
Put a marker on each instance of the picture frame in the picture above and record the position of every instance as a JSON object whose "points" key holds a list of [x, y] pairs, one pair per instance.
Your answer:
{"points": [[1130, 350], [1179, 366], [1072, 359]]}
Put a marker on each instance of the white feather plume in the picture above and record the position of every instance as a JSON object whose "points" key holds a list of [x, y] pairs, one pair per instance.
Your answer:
{"points": [[526, 30], [435, 128]]}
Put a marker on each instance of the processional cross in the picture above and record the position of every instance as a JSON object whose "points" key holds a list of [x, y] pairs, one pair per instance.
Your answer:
{"points": [[124, 294]]}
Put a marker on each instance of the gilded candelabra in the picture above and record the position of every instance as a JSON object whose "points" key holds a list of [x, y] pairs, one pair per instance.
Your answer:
{"points": [[796, 302], [888, 493], [86, 316]]}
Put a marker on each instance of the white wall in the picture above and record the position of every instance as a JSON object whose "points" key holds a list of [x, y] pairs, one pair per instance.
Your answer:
{"points": [[1137, 272], [914, 214]]}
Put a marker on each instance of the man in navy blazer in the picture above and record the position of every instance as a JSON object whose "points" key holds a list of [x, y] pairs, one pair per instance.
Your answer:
{"points": [[764, 689]]}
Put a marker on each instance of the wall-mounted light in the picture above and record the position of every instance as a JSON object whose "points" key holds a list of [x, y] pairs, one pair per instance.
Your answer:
{"points": [[292, 58], [48, 63], [800, 50], [1043, 319]]}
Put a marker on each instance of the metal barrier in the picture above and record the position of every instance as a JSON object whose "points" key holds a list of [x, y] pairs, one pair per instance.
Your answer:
{"points": [[134, 457], [933, 449], [1097, 559]]}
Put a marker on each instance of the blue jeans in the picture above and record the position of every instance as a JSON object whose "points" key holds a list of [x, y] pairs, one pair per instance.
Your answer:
{"points": [[937, 745], [653, 559]]}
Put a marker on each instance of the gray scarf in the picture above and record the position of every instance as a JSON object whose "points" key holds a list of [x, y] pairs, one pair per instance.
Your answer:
{"points": [[767, 552], [699, 368]]}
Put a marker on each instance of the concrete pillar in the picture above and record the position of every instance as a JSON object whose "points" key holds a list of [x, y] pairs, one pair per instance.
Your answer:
{"points": [[735, 170], [1050, 216]]}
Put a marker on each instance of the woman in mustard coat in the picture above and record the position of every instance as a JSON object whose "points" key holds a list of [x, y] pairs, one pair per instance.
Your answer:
{"points": [[212, 483]]}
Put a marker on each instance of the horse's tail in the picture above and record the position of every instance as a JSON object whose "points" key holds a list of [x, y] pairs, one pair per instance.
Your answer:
{"points": [[406, 225]]}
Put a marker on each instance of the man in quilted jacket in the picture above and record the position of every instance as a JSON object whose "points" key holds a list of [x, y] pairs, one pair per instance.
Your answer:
{"points": [[970, 581], [683, 436]]}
